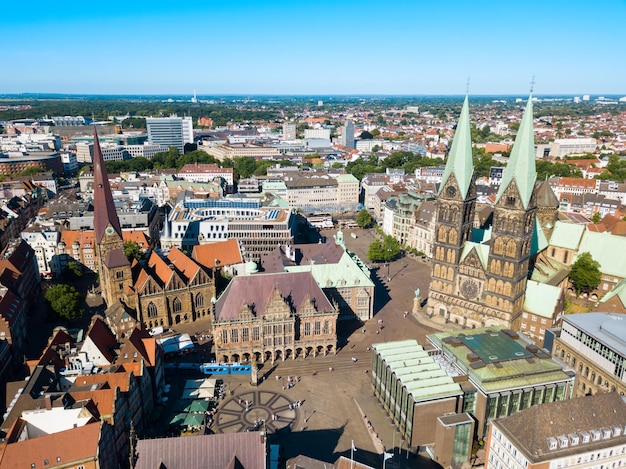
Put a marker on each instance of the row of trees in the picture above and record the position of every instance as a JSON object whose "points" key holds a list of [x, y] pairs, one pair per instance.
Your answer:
{"points": [[243, 166]]}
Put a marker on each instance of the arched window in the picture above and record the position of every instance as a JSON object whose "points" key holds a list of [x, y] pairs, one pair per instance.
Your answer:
{"points": [[177, 306], [152, 310], [199, 300]]}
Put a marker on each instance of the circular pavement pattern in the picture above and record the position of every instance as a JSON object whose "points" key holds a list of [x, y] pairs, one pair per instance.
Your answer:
{"points": [[247, 411]]}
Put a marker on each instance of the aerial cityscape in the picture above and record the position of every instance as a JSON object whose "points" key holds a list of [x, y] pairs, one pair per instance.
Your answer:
{"points": [[278, 235]]}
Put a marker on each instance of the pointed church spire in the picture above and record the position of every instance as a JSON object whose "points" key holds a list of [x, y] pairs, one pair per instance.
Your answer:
{"points": [[521, 167], [460, 161], [103, 206]]}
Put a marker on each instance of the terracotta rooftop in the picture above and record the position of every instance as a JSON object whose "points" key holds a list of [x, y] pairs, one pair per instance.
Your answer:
{"points": [[184, 264], [103, 338], [55, 450], [218, 254]]}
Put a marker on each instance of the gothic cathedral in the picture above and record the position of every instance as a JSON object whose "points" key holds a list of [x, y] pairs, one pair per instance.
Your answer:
{"points": [[482, 282]]}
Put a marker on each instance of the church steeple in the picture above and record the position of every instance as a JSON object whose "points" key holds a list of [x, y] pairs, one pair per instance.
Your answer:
{"points": [[104, 208], [521, 167], [460, 162]]}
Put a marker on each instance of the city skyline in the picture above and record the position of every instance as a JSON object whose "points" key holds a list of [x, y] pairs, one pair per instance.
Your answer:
{"points": [[284, 48]]}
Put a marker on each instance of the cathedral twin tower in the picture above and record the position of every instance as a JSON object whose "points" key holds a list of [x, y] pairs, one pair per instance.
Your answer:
{"points": [[482, 282]]}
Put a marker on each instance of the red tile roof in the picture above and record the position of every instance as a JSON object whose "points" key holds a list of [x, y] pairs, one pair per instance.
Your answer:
{"points": [[218, 254], [76, 445], [103, 338]]}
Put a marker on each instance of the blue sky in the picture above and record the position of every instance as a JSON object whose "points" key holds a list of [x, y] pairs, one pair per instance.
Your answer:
{"points": [[319, 47]]}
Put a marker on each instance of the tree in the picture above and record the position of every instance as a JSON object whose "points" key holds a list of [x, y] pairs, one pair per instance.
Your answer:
{"points": [[596, 217], [72, 271], [132, 250], [364, 219], [65, 300], [585, 274], [385, 250]]}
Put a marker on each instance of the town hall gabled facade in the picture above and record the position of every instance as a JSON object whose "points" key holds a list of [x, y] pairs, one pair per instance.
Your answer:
{"points": [[482, 282]]}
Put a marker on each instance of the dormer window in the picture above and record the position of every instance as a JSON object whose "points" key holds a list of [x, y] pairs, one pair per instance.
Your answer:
{"points": [[510, 201], [552, 443], [606, 433], [586, 437], [595, 435], [563, 441]]}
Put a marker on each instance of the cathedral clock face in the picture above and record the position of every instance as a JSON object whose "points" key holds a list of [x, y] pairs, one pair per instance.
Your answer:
{"points": [[469, 288], [451, 191], [109, 230]]}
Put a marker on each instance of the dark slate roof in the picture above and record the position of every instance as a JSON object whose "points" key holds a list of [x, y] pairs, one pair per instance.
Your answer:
{"points": [[104, 208], [116, 258], [103, 338], [245, 450], [256, 291], [530, 429], [321, 253], [546, 196]]}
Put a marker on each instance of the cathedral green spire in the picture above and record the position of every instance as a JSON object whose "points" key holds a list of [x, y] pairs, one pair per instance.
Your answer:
{"points": [[521, 167], [460, 162]]}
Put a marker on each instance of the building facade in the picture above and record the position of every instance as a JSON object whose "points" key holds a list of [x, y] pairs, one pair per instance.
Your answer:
{"points": [[170, 131], [477, 284], [589, 432], [260, 230], [270, 317], [594, 345]]}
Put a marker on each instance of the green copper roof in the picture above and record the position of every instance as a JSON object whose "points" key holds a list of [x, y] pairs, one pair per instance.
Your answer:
{"points": [[567, 235], [521, 166], [460, 162], [345, 274], [619, 291], [539, 240], [607, 249], [482, 250], [541, 299]]}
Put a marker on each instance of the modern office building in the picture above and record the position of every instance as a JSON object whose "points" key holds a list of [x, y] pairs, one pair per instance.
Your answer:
{"points": [[413, 389], [589, 432], [594, 345], [502, 371], [170, 131], [260, 230]]}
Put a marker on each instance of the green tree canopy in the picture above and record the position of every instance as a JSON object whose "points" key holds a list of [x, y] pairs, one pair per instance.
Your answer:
{"points": [[132, 250], [65, 300], [596, 218], [72, 271], [364, 219], [385, 250], [585, 274]]}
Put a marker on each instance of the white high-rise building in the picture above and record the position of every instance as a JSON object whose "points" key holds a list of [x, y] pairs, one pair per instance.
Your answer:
{"points": [[170, 131], [347, 134], [289, 131]]}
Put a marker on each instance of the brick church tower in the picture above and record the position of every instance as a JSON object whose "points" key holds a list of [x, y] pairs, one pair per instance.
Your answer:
{"points": [[113, 266]]}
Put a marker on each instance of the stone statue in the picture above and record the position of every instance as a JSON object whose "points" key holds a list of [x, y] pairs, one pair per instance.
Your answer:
{"points": [[418, 293], [254, 377]]}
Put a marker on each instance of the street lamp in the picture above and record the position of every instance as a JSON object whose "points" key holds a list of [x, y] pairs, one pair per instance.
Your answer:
{"points": [[388, 256]]}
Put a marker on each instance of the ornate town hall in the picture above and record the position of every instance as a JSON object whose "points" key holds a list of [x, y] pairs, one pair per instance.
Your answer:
{"points": [[482, 282]]}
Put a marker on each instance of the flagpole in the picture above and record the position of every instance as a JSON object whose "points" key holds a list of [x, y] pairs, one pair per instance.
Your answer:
{"points": [[352, 455]]}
